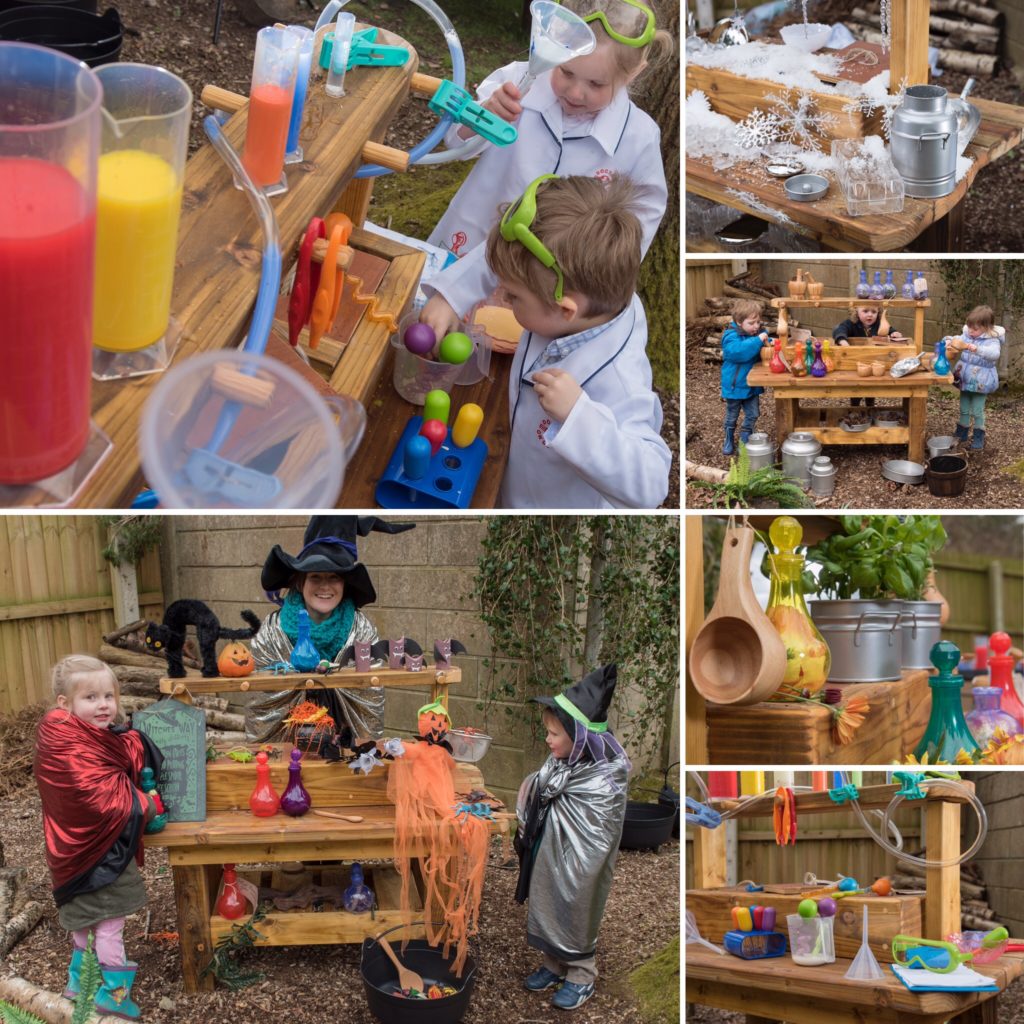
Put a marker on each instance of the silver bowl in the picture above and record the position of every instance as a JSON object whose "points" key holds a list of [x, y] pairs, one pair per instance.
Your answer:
{"points": [[901, 471], [887, 422], [940, 445], [806, 188], [854, 428]]}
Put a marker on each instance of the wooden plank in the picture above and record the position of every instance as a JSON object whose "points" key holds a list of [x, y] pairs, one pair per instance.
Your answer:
{"points": [[696, 724], [917, 424], [783, 733], [942, 843], [236, 853], [346, 678], [887, 916], [193, 902], [387, 884], [709, 865], [308, 928], [833, 302], [845, 383], [908, 56], [68, 606]]}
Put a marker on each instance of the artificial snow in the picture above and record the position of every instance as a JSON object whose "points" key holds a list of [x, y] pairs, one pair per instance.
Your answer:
{"points": [[769, 212], [782, 64], [713, 135]]}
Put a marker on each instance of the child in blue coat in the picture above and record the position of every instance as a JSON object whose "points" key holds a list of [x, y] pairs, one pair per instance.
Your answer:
{"points": [[976, 374], [741, 352]]}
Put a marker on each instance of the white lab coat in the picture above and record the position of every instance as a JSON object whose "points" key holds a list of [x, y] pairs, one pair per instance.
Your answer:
{"points": [[609, 452], [621, 139]]}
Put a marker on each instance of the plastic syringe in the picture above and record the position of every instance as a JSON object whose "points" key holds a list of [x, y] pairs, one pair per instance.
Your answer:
{"points": [[343, 29]]}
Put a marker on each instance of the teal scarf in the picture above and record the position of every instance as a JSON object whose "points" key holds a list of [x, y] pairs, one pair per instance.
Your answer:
{"points": [[328, 636]]}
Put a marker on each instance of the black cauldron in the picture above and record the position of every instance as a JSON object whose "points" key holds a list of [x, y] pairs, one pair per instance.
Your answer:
{"points": [[647, 826], [92, 38]]}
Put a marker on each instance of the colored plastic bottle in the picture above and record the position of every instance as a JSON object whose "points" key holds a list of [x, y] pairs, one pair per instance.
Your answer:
{"points": [[889, 288], [777, 365], [808, 356], [947, 732], [863, 289], [358, 898], [799, 366], [826, 355], [818, 368], [1000, 666], [231, 903], [941, 364], [264, 801], [988, 716], [295, 799], [304, 657], [876, 288], [147, 783], [920, 286], [907, 291], [808, 658]]}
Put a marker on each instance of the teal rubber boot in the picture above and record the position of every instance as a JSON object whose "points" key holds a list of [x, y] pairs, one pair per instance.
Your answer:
{"points": [[962, 432], [978, 440], [114, 997], [74, 971]]}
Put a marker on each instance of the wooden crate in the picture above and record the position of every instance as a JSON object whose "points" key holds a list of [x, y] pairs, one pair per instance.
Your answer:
{"points": [[887, 916], [737, 96], [802, 733], [309, 927]]}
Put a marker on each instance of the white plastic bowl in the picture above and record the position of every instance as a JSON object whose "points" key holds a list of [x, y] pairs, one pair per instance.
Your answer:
{"points": [[808, 38]]}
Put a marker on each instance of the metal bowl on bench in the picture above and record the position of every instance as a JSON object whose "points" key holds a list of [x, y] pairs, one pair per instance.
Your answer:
{"points": [[902, 471], [854, 428], [888, 419]]}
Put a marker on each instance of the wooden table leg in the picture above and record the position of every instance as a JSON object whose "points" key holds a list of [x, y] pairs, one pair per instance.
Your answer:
{"points": [[193, 899], [752, 1019], [945, 235], [917, 422], [785, 417], [986, 1012], [355, 200]]}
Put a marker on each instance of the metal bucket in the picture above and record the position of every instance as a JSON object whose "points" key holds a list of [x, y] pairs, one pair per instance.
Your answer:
{"points": [[864, 638], [921, 628]]}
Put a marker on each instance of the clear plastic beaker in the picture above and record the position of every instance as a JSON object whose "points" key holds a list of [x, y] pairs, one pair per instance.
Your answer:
{"points": [[811, 940], [274, 70], [236, 430], [293, 151], [49, 145], [139, 188], [415, 376], [478, 365]]}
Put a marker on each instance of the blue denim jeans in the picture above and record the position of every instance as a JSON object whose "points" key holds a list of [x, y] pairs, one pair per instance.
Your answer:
{"points": [[751, 410], [972, 404]]}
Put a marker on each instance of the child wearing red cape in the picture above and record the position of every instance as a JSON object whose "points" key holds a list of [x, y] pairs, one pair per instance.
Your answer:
{"points": [[87, 770]]}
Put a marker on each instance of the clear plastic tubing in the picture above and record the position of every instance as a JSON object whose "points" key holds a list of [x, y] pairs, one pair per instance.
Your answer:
{"points": [[293, 151], [343, 29]]}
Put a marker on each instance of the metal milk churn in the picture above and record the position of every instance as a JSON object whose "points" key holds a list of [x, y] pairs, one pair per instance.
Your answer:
{"points": [[760, 450], [799, 451], [823, 476], [929, 132]]}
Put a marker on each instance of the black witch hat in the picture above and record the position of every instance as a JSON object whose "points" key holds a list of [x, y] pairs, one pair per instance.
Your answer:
{"points": [[330, 546], [586, 702]]}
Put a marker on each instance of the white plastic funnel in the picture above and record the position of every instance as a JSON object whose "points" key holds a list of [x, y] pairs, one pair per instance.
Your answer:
{"points": [[693, 934], [865, 966], [556, 35]]}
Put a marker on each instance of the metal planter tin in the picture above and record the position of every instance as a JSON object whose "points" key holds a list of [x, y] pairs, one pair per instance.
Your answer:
{"points": [[760, 450], [863, 637], [799, 451], [921, 628], [823, 477]]}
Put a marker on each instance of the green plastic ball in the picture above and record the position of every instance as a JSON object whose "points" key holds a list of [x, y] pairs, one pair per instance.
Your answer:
{"points": [[455, 348], [807, 908]]}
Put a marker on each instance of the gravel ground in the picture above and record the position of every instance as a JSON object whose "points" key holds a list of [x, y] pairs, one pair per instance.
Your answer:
{"points": [[322, 984], [859, 482]]}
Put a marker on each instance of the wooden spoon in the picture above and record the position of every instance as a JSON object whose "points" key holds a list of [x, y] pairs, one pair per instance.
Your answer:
{"points": [[406, 978], [738, 656], [354, 818]]}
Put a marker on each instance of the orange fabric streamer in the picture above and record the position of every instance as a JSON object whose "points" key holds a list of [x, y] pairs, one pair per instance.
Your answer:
{"points": [[452, 852]]}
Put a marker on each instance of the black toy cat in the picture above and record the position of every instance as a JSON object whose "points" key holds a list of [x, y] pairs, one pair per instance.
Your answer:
{"points": [[168, 638]]}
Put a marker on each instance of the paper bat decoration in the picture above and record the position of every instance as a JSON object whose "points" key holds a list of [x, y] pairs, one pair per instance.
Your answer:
{"points": [[443, 651]]}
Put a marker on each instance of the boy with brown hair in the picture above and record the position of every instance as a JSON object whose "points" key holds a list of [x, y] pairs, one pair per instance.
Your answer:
{"points": [[585, 423], [741, 352]]}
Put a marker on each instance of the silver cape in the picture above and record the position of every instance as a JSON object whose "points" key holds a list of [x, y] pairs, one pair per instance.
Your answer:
{"points": [[364, 709], [575, 858]]}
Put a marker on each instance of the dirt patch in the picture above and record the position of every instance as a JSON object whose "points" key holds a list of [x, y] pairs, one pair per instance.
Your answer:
{"points": [[859, 482]]}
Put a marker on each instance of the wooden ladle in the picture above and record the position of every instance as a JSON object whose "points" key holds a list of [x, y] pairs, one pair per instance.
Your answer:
{"points": [[738, 656], [406, 978]]}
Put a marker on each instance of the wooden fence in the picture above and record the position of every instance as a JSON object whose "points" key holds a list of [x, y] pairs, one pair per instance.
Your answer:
{"points": [[984, 594], [56, 598], [706, 277]]}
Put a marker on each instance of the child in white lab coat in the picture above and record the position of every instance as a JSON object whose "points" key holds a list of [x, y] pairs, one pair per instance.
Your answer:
{"points": [[584, 422], [576, 119]]}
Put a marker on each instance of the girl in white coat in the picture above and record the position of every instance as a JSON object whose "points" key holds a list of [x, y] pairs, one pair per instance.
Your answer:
{"points": [[577, 119]]}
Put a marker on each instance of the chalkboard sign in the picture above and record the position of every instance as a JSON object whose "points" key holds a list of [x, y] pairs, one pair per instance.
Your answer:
{"points": [[179, 730]]}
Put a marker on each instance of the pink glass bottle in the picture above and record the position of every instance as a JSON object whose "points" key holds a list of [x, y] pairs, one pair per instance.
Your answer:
{"points": [[295, 799], [1000, 667], [264, 801]]}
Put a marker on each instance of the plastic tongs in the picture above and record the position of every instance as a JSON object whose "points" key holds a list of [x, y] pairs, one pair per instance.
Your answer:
{"points": [[784, 816], [701, 814]]}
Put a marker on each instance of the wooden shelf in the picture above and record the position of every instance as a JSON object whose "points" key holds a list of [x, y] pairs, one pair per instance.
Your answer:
{"points": [[784, 733], [786, 301], [343, 679]]}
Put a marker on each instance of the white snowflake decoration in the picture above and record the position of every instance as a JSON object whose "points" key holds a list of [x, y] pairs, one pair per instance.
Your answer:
{"points": [[800, 122], [758, 129], [868, 103]]}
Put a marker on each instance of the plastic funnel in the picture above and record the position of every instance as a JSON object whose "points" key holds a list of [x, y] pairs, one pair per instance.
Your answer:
{"points": [[556, 35], [693, 934], [278, 444], [865, 966]]}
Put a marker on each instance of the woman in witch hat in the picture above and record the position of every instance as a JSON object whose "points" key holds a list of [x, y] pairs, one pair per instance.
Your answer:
{"points": [[327, 580]]}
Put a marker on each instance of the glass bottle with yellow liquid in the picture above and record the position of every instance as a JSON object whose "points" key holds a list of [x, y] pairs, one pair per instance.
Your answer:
{"points": [[807, 655]]}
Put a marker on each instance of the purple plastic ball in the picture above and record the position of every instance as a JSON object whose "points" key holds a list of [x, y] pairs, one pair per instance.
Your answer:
{"points": [[827, 907], [419, 339]]}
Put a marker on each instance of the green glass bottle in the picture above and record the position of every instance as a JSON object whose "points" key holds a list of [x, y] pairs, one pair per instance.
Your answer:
{"points": [[947, 733], [807, 655]]}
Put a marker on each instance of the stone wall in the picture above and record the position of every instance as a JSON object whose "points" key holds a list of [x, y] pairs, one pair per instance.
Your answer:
{"points": [[423, 580], [1002, 793]]}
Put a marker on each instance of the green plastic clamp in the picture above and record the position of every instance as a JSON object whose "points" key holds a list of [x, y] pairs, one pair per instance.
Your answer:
{"points": [[450, 99], [365, 52], [910, 785], [841, 794]]}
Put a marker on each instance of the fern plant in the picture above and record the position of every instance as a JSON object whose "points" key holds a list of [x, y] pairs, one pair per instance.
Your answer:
{"points": [[743, 486], [10, 1014], [225, 964], [90, 978]]}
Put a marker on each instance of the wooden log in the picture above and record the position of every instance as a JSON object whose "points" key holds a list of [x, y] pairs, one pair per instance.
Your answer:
{"points": [[133, 627], [122, 656], [51, 1006], [972, 923], [19, 926], [12, 883], [694, 471], [955, 60], [743, 293], [941, 26], [214, 719], [988, 15], [218, 736]]}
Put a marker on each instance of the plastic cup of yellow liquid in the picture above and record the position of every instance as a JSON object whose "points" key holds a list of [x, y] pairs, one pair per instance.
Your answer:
{"points": [[144, 145]]}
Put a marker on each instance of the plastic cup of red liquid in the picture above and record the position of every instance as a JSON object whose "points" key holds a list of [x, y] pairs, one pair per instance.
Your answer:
{"points": [[49, 147]]}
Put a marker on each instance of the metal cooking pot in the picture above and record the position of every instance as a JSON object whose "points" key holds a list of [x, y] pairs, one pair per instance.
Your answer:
{"points": [[921, 629], [864, 638], [799, 451]]}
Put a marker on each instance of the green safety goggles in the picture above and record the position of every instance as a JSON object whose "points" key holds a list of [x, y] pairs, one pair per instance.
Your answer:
{"points": [[515, 227], [641, 40], [909, 951]]}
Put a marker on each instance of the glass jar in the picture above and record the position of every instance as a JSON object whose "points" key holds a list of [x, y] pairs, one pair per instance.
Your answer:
{"points": [[988, 716]]}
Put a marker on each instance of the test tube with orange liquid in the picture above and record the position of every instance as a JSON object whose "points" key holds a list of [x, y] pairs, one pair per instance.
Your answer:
{"points": [[274, 72]]}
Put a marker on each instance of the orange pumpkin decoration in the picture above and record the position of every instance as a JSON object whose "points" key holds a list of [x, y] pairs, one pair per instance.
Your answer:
{"points": [[433, 721], [235, 660]]}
